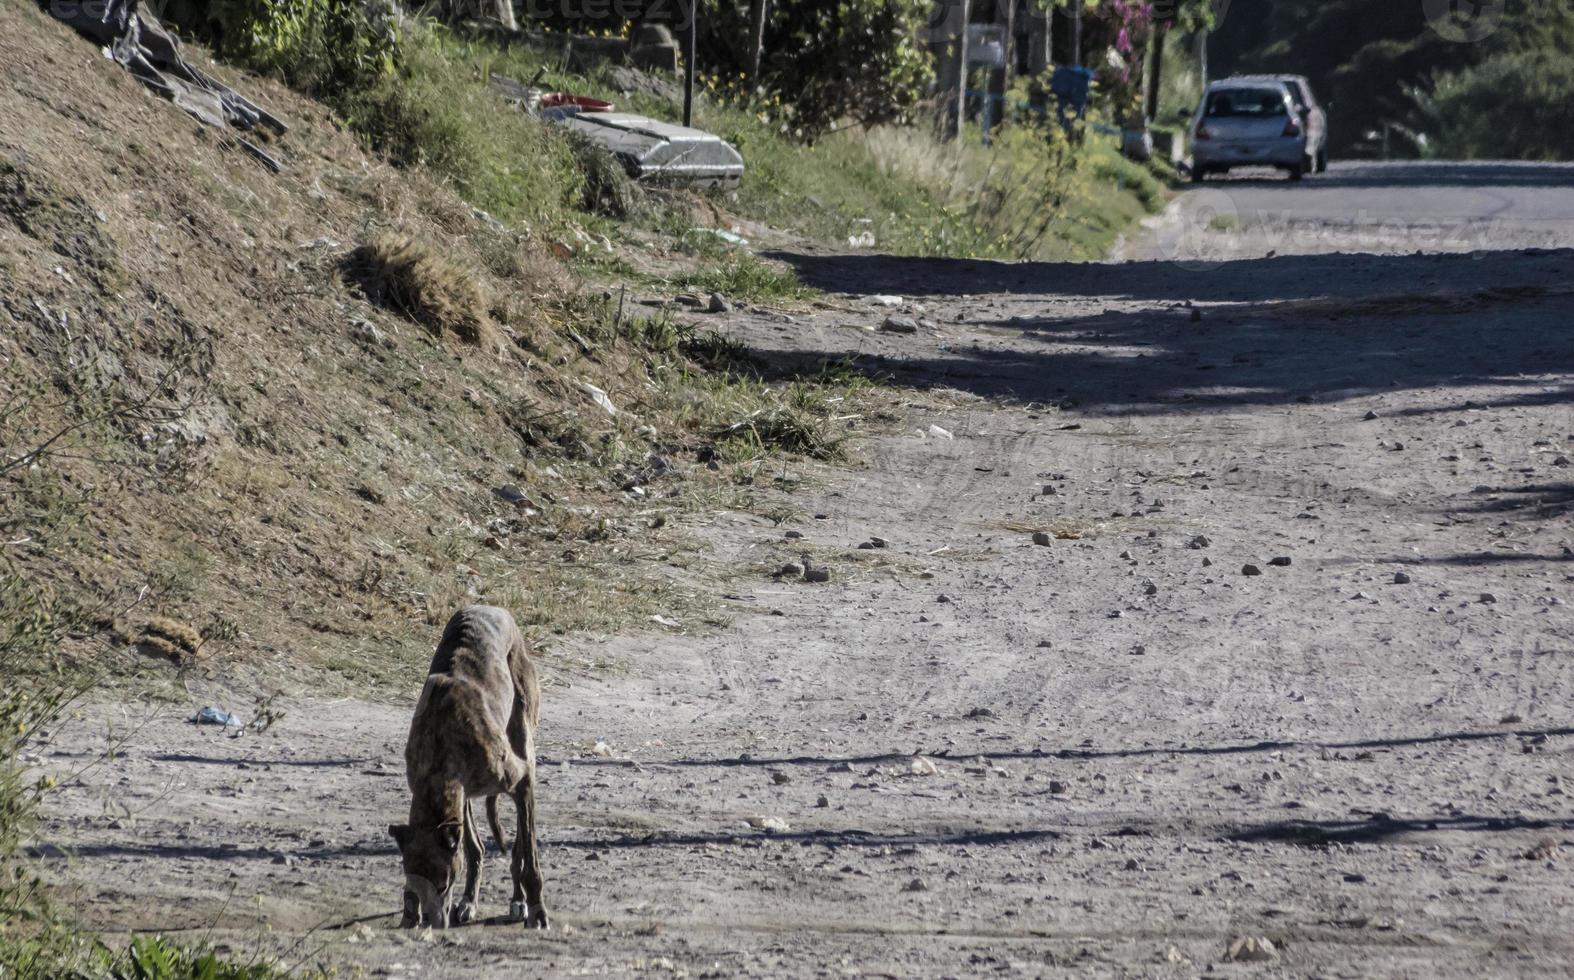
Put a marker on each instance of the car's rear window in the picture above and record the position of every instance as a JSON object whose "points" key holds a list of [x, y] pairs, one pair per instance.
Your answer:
{"points": [[1258, 103]]}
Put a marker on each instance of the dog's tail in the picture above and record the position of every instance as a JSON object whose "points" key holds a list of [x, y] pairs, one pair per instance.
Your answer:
{"points": [[497, 828]]}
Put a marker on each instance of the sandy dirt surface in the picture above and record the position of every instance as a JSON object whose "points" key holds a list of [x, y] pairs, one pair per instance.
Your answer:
{"points": [[1113, 754]]}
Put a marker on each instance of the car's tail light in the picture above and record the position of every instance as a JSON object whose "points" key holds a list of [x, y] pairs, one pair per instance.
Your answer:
{"points": [[1291, 127], [1203, 134]]}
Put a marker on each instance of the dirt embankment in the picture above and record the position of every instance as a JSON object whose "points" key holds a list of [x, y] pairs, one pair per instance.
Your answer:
{"points": [[355, 403]]}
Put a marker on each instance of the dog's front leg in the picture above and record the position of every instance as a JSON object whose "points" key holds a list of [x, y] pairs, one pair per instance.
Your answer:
{"points": [[474, 852]]}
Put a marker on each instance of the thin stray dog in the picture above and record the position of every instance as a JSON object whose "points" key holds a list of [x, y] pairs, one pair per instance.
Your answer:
{"points": [[474, 735]]}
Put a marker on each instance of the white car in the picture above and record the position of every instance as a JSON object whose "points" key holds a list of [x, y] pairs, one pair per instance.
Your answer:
{"points": [[1312, 117], [1249, 122]]}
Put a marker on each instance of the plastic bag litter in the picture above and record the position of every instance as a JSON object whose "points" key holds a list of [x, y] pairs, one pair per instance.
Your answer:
{"points": [[730, 237], [216, 716], [599, 397]]}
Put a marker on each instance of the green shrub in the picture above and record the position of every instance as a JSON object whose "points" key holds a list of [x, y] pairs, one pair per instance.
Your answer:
{"points": [[317, 46], [1518, 105], [156, 958], [855, 59], [741, 276], [608, 189], [435, 113]]}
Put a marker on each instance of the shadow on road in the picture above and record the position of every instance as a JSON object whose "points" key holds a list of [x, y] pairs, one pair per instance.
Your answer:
{"points": [[1288, 277], [886, 758], [203, 760], [1538, 500], [1421, 176], [1380, 827], [830, 838], [1500, 322]]}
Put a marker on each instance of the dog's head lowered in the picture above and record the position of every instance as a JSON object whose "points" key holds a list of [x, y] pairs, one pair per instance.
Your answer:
{"points": [[432, 865]]}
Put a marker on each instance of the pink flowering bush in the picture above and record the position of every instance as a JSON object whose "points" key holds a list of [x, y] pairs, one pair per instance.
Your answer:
{"points": [[1121, 82]]}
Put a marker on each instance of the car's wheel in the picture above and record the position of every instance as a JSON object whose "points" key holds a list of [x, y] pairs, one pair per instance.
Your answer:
{"points": [[1297, 171], [1199, 174]]}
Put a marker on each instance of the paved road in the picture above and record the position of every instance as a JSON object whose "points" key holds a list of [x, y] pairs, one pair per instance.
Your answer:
{"points": [[1374, 207]]}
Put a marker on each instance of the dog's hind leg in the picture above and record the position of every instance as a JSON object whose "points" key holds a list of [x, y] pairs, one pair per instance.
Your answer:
{"points": [[526, 865], [474, 853], [497, 826]]}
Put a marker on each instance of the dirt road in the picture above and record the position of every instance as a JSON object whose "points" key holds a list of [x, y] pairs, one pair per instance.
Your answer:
{"points": [[1113, 754]]}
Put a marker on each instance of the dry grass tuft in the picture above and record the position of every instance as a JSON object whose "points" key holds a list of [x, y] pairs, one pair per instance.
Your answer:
{"points": [[410, 277], [170, 639]]}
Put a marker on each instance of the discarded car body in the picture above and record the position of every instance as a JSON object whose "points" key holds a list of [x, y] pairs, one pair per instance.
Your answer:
{"points": [[661, 152]]}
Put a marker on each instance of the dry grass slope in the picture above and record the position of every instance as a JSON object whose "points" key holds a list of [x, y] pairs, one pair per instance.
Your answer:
{"points": [[409, 276], [316, 483]]}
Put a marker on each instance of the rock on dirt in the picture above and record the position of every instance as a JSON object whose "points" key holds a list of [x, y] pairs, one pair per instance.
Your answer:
{"points": [[1250, 570], [1252, 949], [899, 324]]}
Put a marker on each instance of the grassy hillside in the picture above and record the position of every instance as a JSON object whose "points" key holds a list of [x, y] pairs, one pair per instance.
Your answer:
{"points": [[291, 402], [1031, 195]]}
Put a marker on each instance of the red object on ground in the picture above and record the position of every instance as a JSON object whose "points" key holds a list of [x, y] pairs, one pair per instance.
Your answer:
{"points": [[558, 100]]}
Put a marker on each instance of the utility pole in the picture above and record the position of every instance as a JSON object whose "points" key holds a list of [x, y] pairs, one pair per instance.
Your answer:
{"points": [[1039, 38], [1000, 78], [952, 54], [692, 35], [962, 57], [505, 16], [758, 10], [1077, 33], [1156, 73]]}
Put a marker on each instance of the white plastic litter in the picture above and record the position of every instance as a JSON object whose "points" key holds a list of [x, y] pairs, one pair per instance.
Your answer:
{"points": [[599, 397]]}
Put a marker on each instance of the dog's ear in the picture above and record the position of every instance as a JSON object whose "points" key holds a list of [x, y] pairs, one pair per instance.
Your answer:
{"points": [[401, 835], [449, 835]]}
